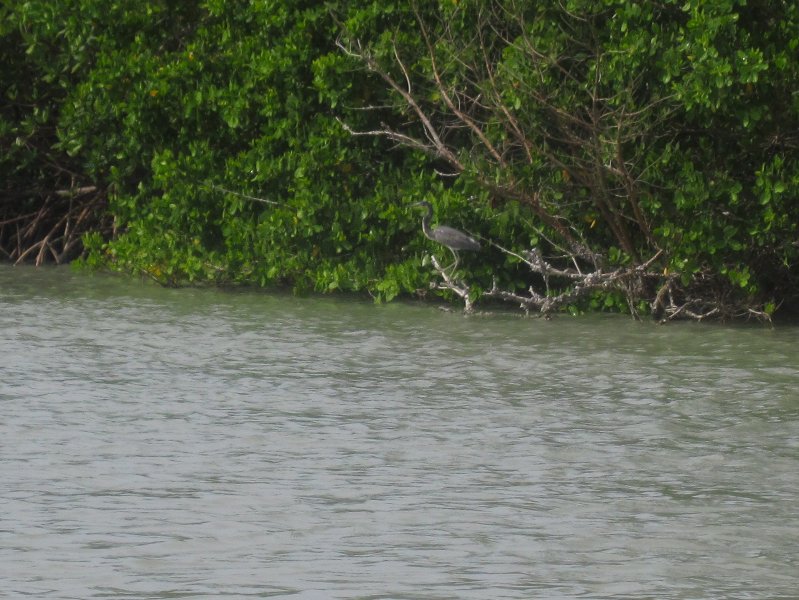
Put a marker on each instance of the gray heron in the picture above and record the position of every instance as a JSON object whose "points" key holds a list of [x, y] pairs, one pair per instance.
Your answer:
{"points": [[446, 236]]}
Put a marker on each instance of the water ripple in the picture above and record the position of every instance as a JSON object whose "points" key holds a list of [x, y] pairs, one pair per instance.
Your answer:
{"points": [[198, 444]]}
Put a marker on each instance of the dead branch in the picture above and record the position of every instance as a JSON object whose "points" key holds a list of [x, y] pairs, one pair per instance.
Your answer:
{"points": [[79, 191], [699, 300], [448, 282], [579, 283], [436, 146], [466, 119]]}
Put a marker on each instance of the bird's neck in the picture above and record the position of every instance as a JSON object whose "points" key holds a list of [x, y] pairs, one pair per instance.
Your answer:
{"points": [[426, 226]]}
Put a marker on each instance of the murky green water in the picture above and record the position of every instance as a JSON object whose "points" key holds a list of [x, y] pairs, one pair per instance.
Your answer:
{"points": [[202, 444]]}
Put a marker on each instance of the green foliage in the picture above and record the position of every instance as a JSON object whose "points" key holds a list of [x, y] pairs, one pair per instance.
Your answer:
{"points": [[214, 129], [634, 128]]}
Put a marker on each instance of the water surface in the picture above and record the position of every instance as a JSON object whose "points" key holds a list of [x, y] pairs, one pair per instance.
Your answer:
{"points": [[198, 443]]}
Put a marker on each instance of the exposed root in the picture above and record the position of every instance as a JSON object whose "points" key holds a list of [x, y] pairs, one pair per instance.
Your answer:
{"points": [[53, 231], [703, 299]]}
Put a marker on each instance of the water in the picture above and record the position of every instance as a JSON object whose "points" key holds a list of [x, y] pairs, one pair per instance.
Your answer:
{"points": [[202, 444]]}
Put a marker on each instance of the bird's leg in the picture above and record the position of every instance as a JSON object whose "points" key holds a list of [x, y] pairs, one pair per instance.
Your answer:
{"points": [[451, 268]]}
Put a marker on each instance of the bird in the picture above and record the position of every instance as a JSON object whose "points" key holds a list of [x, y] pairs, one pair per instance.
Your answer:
{"points": [[447, 236]]}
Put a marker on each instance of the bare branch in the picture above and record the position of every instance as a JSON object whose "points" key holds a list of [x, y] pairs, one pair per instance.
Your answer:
{"points": [[448, 282], [240, 195], [582, 283], [441, 150], [468, 121]]}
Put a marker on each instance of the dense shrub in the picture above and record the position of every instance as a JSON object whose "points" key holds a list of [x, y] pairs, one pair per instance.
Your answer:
{"points": [[217, 135]]}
